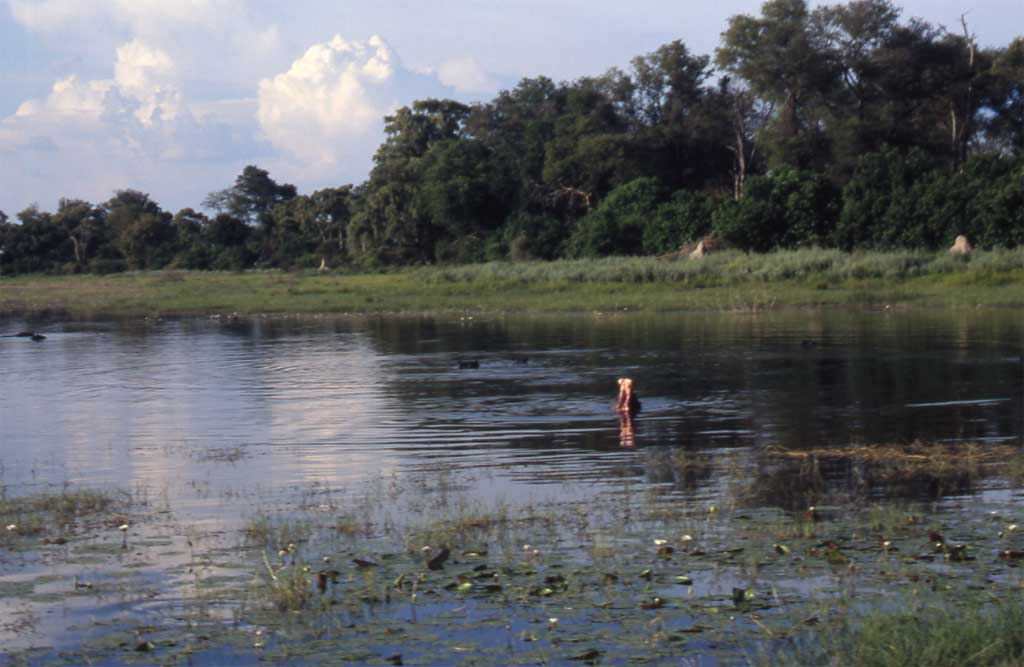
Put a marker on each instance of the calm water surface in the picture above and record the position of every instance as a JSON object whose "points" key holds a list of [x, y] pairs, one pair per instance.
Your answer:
{"points": [[199, 410], [213, 422]]}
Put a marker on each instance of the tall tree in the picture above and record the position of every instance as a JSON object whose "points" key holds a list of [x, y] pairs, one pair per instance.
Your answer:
{"points": [[86, 227], [252, 197], [141, 230], [783, 61], [1005, 128], [391, 227]]}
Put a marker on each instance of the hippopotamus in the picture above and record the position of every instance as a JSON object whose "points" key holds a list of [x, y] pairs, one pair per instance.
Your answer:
{"points": [[628, 401]]}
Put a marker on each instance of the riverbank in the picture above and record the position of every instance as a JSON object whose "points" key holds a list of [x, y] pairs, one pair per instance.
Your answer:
{"points": [[724, 281]]}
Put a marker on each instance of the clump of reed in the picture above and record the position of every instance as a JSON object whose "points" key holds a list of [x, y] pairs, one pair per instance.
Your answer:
{"points": [[261, 530], [977, 632], [42, 512], [891, 462]]}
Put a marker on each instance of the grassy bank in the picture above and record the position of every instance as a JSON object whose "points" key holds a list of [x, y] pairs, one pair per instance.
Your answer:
{"points": [[724, 281]]}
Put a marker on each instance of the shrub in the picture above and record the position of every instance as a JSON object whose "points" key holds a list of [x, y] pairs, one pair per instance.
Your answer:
{"points": [[784, 209]]}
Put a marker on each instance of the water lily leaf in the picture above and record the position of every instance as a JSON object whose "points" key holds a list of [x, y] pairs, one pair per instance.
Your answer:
{"points": [[646, 574], [782, 549], [836, 557], [1011, 555], [364, 564], [683, 580], [465, 586], [653, 603]]}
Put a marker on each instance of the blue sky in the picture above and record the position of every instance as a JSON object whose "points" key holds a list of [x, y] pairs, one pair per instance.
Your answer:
{"points": [[175, 97]]}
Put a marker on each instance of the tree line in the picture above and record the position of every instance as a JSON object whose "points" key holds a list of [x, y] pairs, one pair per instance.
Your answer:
{"points": [[843, 126]]}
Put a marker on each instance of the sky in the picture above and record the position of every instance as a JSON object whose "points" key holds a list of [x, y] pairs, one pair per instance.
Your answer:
{"points": [[176, 97]]}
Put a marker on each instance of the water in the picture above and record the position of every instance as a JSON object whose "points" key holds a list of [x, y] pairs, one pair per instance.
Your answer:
{"points": [[226, 405]]}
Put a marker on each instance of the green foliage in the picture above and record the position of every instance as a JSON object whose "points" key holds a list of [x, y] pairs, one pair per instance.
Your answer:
{"points": [[896, 200], [616, 226], [252, 197], [534, 236], [973, 632], [686, 217], [785, 209]]}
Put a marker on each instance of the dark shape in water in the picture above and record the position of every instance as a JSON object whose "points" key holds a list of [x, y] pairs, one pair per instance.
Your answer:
{"points": [[363, 563], [590, 655], [521, 361], [324, 577], [464, 365], [38, 337]]}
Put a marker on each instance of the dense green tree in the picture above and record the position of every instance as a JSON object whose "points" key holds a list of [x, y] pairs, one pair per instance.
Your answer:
{"points": [[37, 244], [193, 249], [684, 218], [140, 230], [784, 61], [616, 227], [1004, 129], [393, 226], [86, 227], [252, 197], [228, 239], [784, 209]]}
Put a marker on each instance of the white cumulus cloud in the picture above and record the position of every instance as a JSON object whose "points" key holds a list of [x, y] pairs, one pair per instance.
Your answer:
{"points": [[216, 45], [329, 106], [466, 75], [88, 137]]}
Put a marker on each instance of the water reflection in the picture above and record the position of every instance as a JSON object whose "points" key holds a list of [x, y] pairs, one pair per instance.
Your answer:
{"points": [[343, 401]]}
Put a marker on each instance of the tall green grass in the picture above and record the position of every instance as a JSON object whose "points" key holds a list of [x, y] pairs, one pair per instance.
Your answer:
{"points": [[728, 280], [977, 633], [732, 268]]}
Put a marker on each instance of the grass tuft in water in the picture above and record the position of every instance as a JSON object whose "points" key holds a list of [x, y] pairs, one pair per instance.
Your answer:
{"points": [[50, 512], [979, 633]]}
